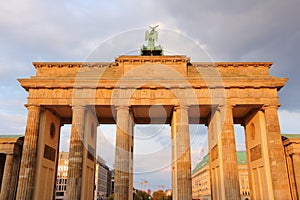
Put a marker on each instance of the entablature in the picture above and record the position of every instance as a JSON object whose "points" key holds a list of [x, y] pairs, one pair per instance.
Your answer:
{"points": [[211, 83]]}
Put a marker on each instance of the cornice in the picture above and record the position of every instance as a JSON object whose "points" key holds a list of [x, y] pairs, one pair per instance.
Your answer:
{"points": [[150, 59], [72, 64], [232, 64], [129, 84], [153, 59]]}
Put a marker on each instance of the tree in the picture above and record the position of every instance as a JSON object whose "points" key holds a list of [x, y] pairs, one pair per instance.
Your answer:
{"points": [[111, 197], [159, 195], [141, 195]]}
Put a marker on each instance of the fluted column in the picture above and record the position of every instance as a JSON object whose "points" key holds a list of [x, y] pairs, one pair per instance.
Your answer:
{"points": [[174, 157], [131, 147], [182, 157], [74, 183], [15, 175], [228, 151], [28, 163], [277, 161], [122, 154], [6, 180], [296, 169]]}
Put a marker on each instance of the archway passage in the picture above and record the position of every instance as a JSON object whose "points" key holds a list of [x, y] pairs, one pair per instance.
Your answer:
{"points": [[153, 89]]}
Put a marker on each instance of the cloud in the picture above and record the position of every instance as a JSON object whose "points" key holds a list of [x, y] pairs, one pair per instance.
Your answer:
{"points": [[12, 124], [65, 137], [156, 180], [106, 143], [247, 31], [289, 121]]}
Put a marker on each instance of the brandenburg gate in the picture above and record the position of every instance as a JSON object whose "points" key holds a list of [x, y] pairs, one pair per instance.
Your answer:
{"points": [[179, 93]]}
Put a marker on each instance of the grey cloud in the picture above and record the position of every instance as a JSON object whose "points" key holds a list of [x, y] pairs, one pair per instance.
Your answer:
{"points": [[289, 121], [12, 124], [65, 133], [155, 180], [247, 31], [149, 163], [106, 150]]}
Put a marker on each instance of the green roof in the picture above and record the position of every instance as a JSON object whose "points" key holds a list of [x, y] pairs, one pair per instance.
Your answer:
{"points": [[240, 155], [201, 164], [289, 136], [11, 136]]}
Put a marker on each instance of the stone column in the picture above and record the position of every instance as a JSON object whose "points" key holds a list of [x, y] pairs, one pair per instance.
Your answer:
{"points": [[131, 146], [216, 183], [6, 180], [296, 172], [15, 175], [28, 163], [174, 157], [228, 162], [277, 161], [122, 163], [74, 183], [182, 158]]}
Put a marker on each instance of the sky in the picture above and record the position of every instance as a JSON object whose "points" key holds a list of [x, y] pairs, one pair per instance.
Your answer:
{"points": [[207, 30]]}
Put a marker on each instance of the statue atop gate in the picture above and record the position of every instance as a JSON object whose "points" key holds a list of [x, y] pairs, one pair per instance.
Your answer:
{"points": [[151, 50], [151, 36]]}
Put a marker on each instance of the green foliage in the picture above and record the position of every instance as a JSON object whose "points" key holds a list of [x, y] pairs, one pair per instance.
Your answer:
{"points": [[141, 195], [160, 195], [111, 197]]}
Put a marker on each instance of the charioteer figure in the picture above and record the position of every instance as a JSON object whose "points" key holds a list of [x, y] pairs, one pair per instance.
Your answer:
{"points": [[151, 50]]}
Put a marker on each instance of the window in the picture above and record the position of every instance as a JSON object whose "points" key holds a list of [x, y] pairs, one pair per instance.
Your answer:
{"points": [[60, 193]]}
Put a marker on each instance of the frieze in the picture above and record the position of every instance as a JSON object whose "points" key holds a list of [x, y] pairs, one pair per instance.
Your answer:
{"points": [[200, 93], [44, 95], [145, 93], [58, 93], [50, 93], [38, 93], [86, 93], [103, 93]]}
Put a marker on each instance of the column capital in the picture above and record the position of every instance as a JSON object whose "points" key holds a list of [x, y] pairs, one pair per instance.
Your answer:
{"points": [[78, 106], [121, 107], [268, 106], [228, 106], [32, 106], [10, 153], [224, 107], [186, 107]]}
